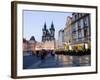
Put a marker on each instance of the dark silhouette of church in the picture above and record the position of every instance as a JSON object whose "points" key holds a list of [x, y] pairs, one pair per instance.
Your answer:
{"points": [[48, 34]]}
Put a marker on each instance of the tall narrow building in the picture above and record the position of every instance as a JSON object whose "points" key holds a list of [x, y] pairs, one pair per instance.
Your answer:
{"points": [[61, 39]]}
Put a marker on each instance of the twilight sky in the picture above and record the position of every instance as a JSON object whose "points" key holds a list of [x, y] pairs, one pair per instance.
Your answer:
{"points": [[33, 22]]}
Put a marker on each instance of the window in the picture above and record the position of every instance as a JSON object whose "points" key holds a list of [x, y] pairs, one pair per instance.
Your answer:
{"points": [[80, 15], [79, 24], [85, 33], [85, 21], [79, 35], [73, 29], [75, 17]]}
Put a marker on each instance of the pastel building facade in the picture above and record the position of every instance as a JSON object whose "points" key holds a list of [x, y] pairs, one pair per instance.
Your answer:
{"points": [[68, 33], [81, 31], [29, 45]]}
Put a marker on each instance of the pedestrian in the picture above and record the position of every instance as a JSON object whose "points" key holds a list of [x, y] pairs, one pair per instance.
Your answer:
{"points": [[42, 55], [53, 53]]}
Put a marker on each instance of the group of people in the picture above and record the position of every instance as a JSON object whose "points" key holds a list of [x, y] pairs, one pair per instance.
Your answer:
{"points": [[43, 53]]}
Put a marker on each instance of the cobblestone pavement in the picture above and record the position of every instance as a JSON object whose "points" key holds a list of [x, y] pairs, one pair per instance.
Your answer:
{"points": [[33, 62]]}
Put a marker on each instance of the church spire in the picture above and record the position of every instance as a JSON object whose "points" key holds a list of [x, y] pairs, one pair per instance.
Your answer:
{"points": [[52, 26], [45, 25], [52, 31], [48, 34]]}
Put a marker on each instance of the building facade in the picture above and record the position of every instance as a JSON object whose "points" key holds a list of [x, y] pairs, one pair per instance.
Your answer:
{"points": [[61, 39], [81, 32], [29, 45], [38, 46], [32, 43], [25, 45], [68, 33]]}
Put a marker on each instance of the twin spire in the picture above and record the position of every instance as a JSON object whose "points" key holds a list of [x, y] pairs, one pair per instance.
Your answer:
{"points": [[48, 34], [52, 26]]}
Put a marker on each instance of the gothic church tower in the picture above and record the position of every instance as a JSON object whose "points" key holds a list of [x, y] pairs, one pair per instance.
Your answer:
{"points": [[48, 35]]}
